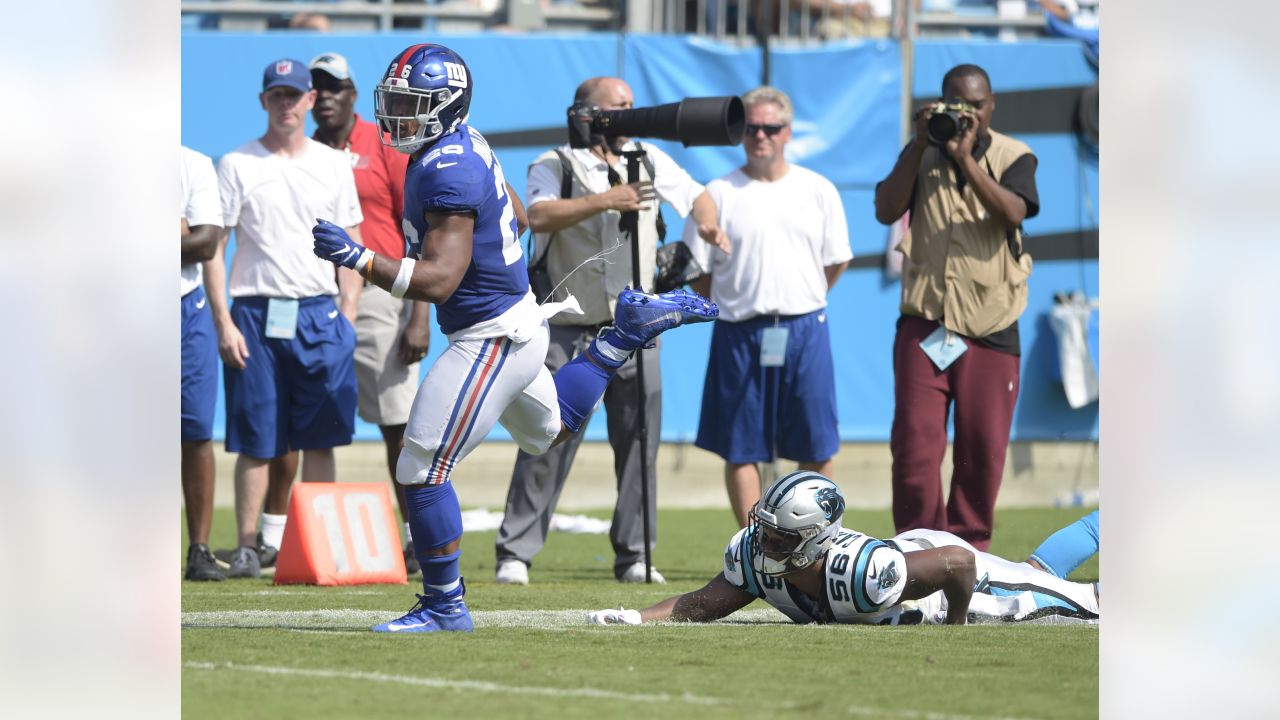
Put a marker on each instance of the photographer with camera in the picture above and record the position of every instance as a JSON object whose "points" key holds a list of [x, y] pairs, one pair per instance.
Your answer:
{"points": [[964, 284], [575, 198], [770, 386]]}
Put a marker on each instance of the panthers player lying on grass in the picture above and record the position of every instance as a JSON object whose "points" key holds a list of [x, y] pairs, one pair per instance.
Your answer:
{"points": [[795, 556]]}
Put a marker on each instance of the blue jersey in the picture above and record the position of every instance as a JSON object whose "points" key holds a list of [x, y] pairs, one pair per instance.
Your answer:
{"points": [[461, 174]]}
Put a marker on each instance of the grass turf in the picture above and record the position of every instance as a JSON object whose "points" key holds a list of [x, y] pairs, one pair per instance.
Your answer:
{"points": [[253, 649]]}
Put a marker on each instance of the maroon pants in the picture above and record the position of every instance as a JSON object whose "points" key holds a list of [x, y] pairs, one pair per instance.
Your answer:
{"points": [[982, 384]]}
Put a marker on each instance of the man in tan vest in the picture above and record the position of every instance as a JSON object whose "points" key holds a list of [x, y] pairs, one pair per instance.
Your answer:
{"points": [[964, 284], [575, 197]]}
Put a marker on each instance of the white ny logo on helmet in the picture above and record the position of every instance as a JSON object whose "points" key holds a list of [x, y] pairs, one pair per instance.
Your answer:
{"points": [[457, 74]]}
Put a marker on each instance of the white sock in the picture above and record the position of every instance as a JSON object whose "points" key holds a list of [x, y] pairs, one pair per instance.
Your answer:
{"points": [[611, 351], [273, 529], [408, 536], [443, 589]]}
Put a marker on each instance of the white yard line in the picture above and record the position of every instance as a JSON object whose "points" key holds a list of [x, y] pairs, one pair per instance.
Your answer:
{"points": [[470, 685], [904, 714]]}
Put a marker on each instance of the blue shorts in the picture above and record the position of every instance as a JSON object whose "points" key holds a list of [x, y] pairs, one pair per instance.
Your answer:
{"points": [[297, 394], [199, 368], [746, 408]]}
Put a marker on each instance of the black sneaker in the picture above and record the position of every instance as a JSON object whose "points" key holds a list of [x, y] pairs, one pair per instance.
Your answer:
{"points": [[266, 553], [201, 565], [411, 565]]}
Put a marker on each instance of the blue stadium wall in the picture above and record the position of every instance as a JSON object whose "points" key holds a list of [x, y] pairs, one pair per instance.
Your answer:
{"points": [[847, 127]]}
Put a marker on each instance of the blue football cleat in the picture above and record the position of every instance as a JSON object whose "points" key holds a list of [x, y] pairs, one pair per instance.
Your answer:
{"points": [[641, 317], [447, 616]]}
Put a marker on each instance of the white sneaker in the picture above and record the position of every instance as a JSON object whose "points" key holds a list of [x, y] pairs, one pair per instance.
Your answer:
{"points": [[514, 572], [635, 574]]}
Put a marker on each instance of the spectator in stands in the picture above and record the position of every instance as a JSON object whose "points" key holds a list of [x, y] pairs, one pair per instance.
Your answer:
{"points": [[852, 18], [575, 198], [286, 346], [200, 224], [310, 21], [1077, 19], [392, 335], [964, 284], [770, 386]]}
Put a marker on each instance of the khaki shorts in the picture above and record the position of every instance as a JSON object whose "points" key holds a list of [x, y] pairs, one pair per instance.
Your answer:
{"points": [[385, 385]]}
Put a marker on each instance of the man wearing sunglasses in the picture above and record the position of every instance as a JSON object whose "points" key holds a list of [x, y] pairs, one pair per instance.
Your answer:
{"points": [[770, 385]]}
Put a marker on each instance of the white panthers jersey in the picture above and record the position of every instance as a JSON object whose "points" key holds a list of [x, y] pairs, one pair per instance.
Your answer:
{"points": [[865, 578]]}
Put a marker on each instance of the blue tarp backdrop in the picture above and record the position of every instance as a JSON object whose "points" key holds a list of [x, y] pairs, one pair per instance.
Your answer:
{"points": [[848, 101]]}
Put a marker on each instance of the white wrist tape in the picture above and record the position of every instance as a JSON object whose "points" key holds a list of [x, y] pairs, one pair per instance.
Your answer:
{"points": [[365, 258], [401, 285]]}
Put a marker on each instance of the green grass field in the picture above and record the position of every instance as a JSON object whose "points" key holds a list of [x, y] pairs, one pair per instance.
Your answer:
{"points": [[253, 649]]}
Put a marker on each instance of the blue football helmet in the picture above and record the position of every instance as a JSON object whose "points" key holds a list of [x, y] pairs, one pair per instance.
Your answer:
{"points": [[795, 522], [424, 95]]}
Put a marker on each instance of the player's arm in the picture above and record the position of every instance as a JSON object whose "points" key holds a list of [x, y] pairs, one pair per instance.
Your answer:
{"points": [[715, 600], [949, 569], [231, 344], [445, 256], [199, 243]]}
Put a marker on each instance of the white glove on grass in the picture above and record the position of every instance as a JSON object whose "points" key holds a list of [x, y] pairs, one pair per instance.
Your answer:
{"points": [[620, 616]]}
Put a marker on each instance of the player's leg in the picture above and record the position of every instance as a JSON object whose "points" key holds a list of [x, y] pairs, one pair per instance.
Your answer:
{"points": [[1064, 551], [638, 318], [199, 399], [465, 392], [1011, 590], [918, 438]]}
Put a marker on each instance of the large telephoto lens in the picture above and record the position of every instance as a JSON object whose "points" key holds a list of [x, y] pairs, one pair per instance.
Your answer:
{"points": [[692, 121]]}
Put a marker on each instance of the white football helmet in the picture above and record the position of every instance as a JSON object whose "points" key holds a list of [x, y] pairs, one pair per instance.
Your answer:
{"points": [[795, 521]]}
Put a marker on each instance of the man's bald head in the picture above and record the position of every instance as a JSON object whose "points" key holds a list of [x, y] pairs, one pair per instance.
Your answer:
{"points": [[606, 93]]}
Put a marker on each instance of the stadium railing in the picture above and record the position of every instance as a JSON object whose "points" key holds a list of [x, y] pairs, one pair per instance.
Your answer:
{"points": [[378, 15], [788, 21]]}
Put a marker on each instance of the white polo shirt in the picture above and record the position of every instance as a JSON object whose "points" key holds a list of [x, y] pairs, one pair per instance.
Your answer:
{"points": [[273, 201], [198, 188], [784, 234]]}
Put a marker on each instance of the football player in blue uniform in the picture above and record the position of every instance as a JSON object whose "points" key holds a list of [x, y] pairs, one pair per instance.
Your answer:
{"points": [[795, 556], [462, 223]]}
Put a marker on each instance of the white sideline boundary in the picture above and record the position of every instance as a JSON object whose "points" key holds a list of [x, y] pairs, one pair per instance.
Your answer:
{"points": [[554, 692], [362, 620]]}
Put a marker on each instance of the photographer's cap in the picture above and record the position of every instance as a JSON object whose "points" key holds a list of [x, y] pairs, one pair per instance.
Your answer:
{"points": [[287, 72], [331, 63]]}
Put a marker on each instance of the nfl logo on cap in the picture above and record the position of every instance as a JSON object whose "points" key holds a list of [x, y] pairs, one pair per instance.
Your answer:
{"points": [[284, 67]]}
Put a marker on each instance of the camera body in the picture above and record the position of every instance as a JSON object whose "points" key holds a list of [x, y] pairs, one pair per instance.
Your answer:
{"points": [[947, 120], [692, 121]]}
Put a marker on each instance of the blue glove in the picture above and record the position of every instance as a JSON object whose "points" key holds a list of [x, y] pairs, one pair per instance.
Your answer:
{"points": [[333, 244]]}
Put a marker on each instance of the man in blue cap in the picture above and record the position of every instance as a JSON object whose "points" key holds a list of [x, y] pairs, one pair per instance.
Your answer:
{"points": [[286, 345]]}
